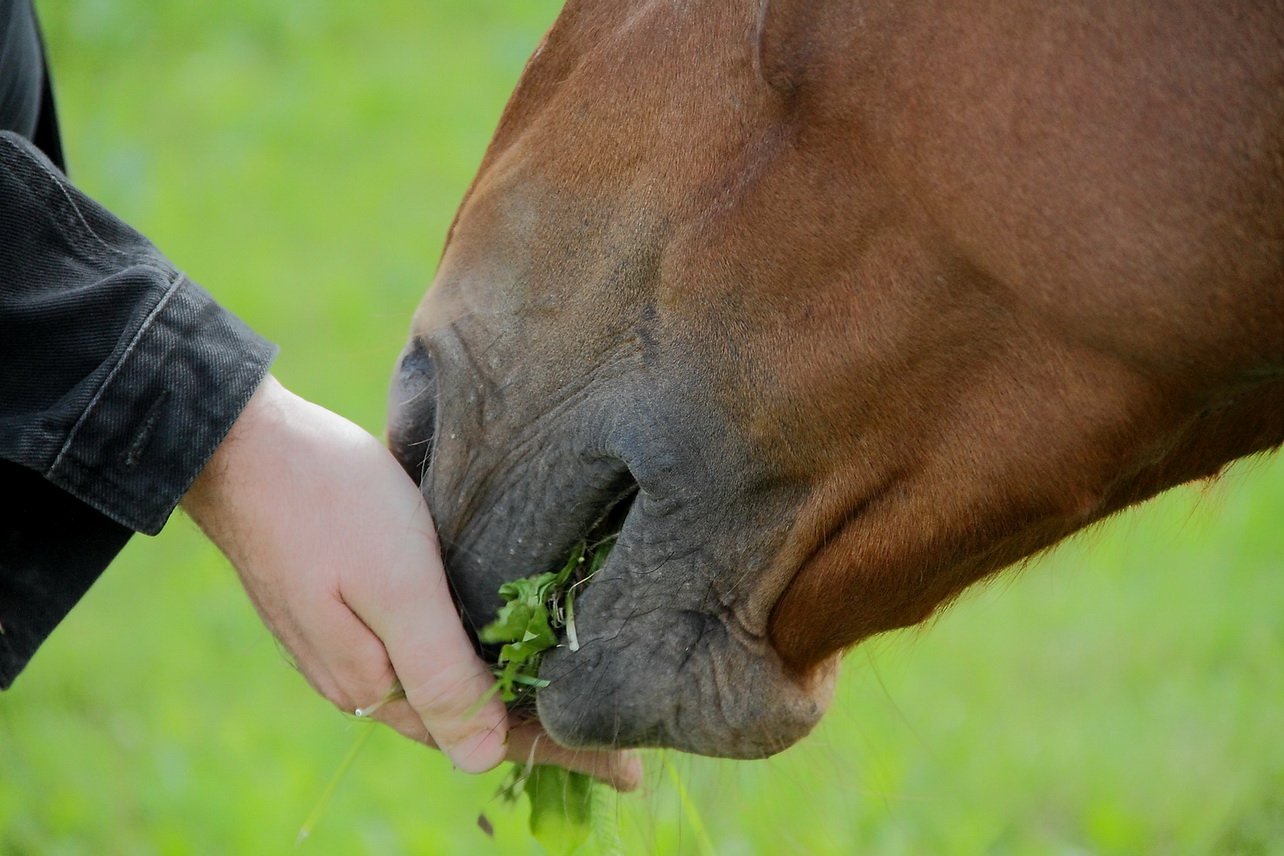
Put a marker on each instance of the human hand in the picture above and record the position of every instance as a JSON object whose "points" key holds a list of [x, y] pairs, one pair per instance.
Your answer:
{"points": [[336, 548]]}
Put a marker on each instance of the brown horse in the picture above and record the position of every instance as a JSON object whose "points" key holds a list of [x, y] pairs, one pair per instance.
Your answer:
{"points": [[833, 309]]}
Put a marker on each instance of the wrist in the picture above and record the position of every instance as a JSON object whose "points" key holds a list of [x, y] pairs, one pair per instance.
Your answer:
{"points": [[255, 427]]}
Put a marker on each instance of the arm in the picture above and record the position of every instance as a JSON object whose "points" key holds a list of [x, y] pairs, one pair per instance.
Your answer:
{"points": [[118, 379], [125, 388]]}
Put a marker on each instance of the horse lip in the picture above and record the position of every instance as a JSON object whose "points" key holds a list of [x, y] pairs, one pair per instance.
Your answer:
{"points": [[532, 537], [605, 530], [673, 677]]}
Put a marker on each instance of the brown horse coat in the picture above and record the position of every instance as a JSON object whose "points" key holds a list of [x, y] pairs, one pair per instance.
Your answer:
{"points": [[833, 309]]}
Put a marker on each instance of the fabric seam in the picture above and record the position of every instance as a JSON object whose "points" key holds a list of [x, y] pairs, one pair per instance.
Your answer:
{"points": [[115, 370]]}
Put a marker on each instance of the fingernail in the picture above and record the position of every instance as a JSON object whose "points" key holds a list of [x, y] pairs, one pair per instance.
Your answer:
{"points": [[478, 752]]}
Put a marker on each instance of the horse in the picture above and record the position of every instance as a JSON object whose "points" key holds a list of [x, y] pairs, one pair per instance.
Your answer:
{"points": [[830, 310]]}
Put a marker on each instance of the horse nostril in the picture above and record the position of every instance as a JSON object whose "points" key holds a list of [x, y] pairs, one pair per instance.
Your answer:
{"points": [[412, 410]]}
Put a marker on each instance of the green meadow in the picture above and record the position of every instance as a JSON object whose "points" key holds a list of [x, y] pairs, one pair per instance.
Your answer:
{"points": [[1123, 694]]}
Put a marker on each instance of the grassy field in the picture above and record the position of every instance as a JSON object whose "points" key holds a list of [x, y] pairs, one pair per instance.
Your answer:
{"points": [[1123, 695]]}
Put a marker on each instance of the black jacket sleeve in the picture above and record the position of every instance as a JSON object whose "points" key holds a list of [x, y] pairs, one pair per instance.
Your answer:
{"points": [[118, 379], [120, 375]]}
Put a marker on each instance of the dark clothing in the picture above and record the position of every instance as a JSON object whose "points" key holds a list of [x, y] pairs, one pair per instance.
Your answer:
{"points": [[26, 97], [118, 375]]}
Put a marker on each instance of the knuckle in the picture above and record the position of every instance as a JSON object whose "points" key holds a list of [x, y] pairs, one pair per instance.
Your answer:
{"points": [[336, 695], [348, 695], [447, 695]]}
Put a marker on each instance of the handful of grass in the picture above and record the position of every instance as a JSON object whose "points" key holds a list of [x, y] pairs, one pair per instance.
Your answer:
{"points": [[535, 608]]}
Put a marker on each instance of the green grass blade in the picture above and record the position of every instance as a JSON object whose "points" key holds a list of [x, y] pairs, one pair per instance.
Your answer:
{"points": [[332, 786], [689, 809]]}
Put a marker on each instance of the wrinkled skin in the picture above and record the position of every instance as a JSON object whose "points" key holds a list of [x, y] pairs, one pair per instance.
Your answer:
{"points": [[848, 306]]}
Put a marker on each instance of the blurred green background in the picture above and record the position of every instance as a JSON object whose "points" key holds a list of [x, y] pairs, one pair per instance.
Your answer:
{"points": [[303, 160]]}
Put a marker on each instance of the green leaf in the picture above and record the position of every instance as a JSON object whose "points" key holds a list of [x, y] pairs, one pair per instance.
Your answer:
{"points": [[560, 807], [509, 624], [526, 626], [562, 577]]}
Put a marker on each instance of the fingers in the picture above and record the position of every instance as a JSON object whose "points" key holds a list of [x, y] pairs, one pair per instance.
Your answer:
{"points": [[346, 663], [446, 684], [529, 743], [620, 770], [400, 716], [335, 546], [352, 669]]}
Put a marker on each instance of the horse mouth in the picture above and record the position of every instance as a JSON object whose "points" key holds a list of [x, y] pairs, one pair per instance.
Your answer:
{"points": [[505, 512], [606, 529], [592, 551], [531, 528], [662, 657]]}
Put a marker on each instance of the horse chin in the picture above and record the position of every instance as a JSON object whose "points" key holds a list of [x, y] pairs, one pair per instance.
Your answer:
{"points": [[655, 667], [676, 680]]}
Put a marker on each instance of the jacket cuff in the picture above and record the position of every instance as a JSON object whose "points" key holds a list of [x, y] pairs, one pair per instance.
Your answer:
{"points": [[163, 409]]}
